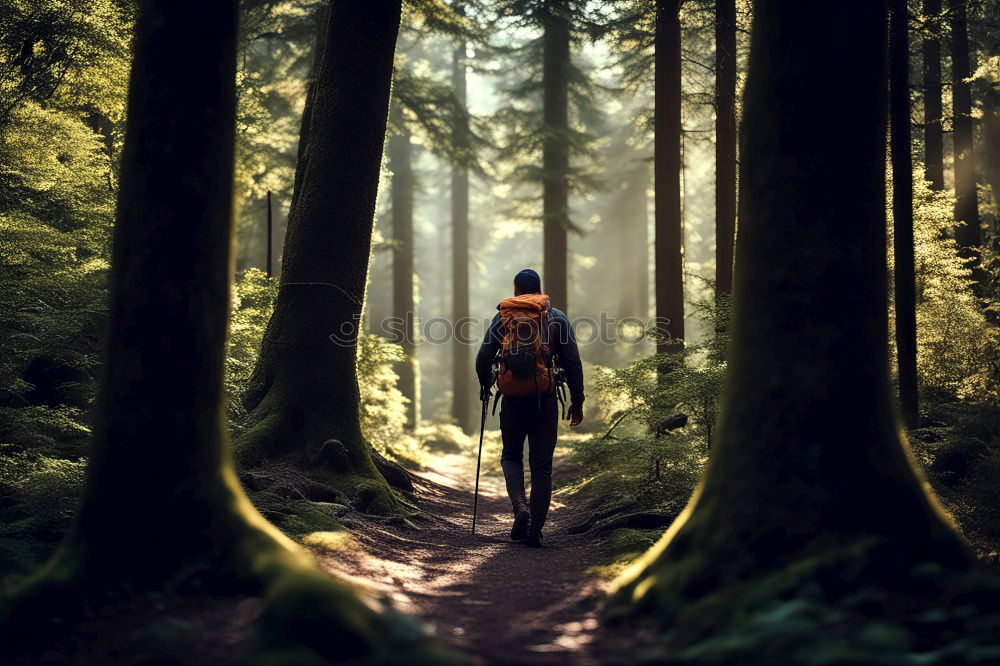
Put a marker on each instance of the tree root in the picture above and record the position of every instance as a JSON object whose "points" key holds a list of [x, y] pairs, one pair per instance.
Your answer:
{"points": [[306, 615], [642, 520], [862, 596]]}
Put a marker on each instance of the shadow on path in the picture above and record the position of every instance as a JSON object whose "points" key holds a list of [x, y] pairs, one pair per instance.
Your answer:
{"points": [[498, 601]]}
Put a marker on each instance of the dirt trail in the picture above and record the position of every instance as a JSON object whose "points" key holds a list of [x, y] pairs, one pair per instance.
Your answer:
{"points": [[497, 601]]}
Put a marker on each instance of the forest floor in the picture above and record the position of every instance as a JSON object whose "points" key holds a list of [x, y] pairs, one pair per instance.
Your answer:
{"points": [[497, 601]]}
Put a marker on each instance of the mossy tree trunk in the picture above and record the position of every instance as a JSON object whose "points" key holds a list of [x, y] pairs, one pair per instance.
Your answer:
{"points": [[904, 279], [809, 467], [725, 143], [933, 130], [303, 399], [967, 233], [669, 241], [461, 360], [555, 150], [162, 509], [399, 152]]}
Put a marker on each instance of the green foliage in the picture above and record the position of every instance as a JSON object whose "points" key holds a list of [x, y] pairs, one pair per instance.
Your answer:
{"points": [[649, 460], [253, 301], [443, 438], [383, 406], [276, 49], [525, 128], [431, 109], [72, 55], [39, 498], [654, 390], [56, 206], [383, 413], [63, 75], [924, 615], [958, 446], [958, 349]]}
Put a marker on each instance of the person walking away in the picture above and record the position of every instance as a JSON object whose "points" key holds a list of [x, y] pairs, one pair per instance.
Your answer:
{"points": [[533, 347]]}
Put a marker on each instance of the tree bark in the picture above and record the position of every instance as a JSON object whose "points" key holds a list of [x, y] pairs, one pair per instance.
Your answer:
{"points": [[162, 509], [667, 178], [725, 143], [461, 361], [555, 150], [642, 244], [632, 239], [904, 282], [400, 158], [809, 474], [303, 398], [322, 17], [933, 130], [967, 233], [991, 143]]}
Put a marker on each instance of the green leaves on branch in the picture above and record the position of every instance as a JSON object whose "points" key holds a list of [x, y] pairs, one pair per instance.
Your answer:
{"points": [[433, 112]]}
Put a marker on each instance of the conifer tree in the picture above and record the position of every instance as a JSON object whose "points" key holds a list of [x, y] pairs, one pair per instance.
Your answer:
{"points": [[792, 481], [967, 233], [303, 397], [429, 107], [667, 174], [460, 309], [933, 129], [725, 143], [548, 122], [162, 510]]}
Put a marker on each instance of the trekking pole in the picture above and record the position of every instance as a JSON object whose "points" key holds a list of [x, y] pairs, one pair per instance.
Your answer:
{"points": [[485, 396]]}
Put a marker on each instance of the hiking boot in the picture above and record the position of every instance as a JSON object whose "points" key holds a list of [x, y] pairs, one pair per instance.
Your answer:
{"points": [[522, 517], [534, 539]]}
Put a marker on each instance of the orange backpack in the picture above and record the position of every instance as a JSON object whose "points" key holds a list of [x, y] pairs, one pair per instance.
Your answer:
{"points": [[524, 359]]}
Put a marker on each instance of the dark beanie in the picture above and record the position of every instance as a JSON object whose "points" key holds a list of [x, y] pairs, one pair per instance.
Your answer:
{"points": [[528, 282]]}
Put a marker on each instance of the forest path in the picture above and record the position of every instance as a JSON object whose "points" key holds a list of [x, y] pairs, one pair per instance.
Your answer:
{"points": [[499, 602]]}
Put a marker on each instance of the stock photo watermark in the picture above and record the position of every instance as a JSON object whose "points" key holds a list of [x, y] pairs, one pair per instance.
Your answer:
{"points": [[604, 329]]}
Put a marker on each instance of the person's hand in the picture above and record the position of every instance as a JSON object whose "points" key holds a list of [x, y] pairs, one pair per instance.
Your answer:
{"points": [[575, 415]]}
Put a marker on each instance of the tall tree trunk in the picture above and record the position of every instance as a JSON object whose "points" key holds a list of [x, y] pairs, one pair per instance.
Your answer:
{"points": [[809, 481], [667, 178], [631, 236], [904, 283], [725, 143], [322, 17], [303, 399], [162, 509], [461, 361], [400, 158], [933, 130], [555, 151], [991, 142], [642, 245], [967, 233]]}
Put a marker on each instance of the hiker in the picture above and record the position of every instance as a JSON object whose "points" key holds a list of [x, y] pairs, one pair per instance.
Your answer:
{"points": [[529, 350]]}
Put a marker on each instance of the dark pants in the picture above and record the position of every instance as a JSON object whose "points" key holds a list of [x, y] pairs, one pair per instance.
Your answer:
{"points": [[539, 422]]}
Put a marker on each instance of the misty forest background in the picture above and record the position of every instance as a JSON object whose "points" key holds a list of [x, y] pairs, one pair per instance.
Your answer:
{"points": [[521, 133]]}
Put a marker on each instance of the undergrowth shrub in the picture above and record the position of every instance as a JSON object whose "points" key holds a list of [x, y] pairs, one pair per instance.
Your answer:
{"points": [[383, 407], [958, 348], [660, 412], [39, 496]]}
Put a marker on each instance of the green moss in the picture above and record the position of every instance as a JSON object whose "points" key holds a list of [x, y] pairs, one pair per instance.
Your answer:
{"points": [[859, 603], [302, 517], [622, 548]]}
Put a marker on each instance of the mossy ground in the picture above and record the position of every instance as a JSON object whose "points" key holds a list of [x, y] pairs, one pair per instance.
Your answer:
{"points": [[833, 610], [267, 600]]}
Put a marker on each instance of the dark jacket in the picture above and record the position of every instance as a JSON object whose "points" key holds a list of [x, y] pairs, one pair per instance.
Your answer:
{"points": [[563, 344]]}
